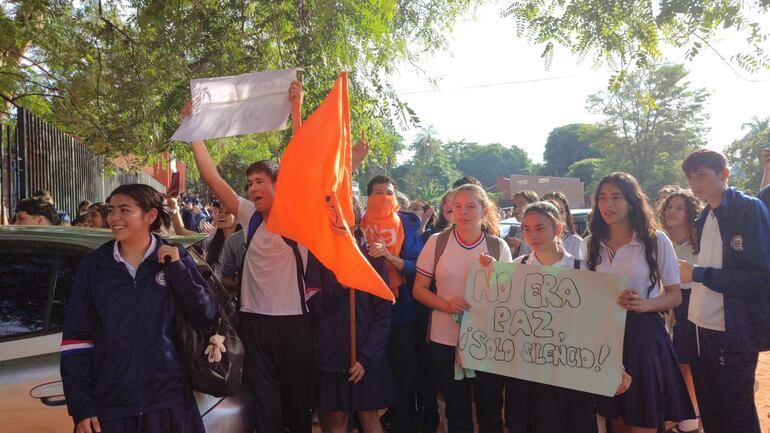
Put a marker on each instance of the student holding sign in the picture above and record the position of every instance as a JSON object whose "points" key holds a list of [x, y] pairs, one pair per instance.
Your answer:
{"points": [[447, 257], [537, 407], [624, 240]]}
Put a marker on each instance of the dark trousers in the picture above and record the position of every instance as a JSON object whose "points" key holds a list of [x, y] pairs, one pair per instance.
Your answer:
{"points": [[487, 389], [402, 365], [724, 384], [425, 389], [278, 368]]}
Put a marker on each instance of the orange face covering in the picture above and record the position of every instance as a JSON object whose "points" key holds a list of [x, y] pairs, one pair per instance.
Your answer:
{"points": [[381, 224]]}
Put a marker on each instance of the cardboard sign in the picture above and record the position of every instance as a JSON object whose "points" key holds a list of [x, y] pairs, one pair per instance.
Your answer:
{"points": [[552, 325]]}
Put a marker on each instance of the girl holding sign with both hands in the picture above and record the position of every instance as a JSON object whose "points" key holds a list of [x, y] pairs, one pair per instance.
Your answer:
{"points": [[537, 407]]}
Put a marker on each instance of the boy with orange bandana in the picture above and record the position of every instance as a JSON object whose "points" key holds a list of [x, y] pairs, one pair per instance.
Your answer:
{"points": [[394, 234]]}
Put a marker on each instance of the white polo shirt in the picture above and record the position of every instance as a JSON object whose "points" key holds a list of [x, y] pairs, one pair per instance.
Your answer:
{"points": [[451, 277], [269, 281], [629, 260], [707, 307], [572, 244], [684, 252], [131, 269], [567, 260]]}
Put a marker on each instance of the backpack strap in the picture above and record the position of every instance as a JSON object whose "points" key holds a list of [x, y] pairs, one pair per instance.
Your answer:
{"points": [[524, 260], [300, 272], [441, 241], [254, 222], [493, 246]]}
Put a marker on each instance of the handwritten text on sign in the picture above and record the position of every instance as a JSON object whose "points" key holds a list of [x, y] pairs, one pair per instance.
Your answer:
{"points": [[558, 326]]}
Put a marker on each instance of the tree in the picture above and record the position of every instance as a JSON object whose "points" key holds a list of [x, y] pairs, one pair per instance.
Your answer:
{"points": [[626, 33], [743, 155], [656, 119], [116, 73], [586, 170], [429, 173], [487, 162], [568, 144]]}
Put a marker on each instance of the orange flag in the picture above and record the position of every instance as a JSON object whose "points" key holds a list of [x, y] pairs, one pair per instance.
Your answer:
{"points": [[313, 202]]}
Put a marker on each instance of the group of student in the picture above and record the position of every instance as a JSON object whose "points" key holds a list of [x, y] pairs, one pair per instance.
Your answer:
{"points": [[121, 372]]}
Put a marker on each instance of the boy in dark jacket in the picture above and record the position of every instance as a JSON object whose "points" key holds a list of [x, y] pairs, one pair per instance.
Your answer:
{"points": [[395, 235], [730, 297]]}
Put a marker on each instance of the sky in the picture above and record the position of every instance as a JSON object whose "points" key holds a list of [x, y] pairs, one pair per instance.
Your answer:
{"points": [[492, 87]]}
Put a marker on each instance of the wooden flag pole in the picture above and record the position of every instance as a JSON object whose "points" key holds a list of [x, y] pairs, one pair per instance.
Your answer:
{"points": [[352, 298]]}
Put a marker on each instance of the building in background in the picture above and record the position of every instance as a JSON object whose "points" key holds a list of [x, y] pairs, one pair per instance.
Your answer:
{"points": [[571, 187]]}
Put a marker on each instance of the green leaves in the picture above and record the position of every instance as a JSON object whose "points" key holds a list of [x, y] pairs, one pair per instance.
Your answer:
{"points": [[118, 72], [626, 34], [652, 122]]}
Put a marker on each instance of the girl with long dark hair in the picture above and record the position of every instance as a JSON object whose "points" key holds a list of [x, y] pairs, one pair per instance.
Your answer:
{"points": [[226, 225], [624, 240]]}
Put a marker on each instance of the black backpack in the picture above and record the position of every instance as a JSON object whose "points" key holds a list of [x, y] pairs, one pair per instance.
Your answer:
{"points": [[220, 379]]}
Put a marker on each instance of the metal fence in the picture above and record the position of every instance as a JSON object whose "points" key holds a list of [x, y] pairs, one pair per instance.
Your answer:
{"points": [[36, 156]]}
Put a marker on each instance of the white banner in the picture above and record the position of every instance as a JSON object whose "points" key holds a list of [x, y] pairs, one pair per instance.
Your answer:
{"points": [[239, 105]]}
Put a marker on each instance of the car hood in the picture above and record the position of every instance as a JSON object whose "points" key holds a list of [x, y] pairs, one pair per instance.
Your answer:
{"points": [[81, 236]]}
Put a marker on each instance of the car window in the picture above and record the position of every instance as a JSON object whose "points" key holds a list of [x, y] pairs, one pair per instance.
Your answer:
{"points": [[35, 283], [25, 284], [66, 270]]}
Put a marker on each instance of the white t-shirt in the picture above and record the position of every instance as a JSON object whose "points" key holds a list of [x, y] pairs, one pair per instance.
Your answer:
{"points": [[572, 244], [451, 277], [684, 252], [269, 282], [567, 260], [707, 307], [629, 260]]}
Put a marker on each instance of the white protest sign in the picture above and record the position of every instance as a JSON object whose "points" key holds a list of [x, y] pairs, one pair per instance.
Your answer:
{"points": [[552, 325], [239, 105]]}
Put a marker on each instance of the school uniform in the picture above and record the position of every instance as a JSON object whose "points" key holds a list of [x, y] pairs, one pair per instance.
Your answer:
{"points": [[541, 408], [658, 392], [426, 390], [275, 327], [118, 358], [450, 275], [401, 344], [729, 307], [684, 330], [330, 308], [572, 244]]}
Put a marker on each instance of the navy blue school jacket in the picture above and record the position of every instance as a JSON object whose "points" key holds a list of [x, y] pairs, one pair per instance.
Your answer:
{"points": [[118, 357], [403, 309], [744, 280], [330, 308]]}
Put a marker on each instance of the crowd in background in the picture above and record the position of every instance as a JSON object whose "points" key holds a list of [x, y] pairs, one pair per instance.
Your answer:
{"points": [[696, 260]]}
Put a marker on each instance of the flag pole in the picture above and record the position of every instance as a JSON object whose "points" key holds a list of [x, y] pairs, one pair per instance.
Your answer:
{"points": [[352, 298]]}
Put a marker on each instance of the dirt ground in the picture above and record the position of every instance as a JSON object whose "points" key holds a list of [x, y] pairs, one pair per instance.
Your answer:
{"points": [[763, 395]]}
